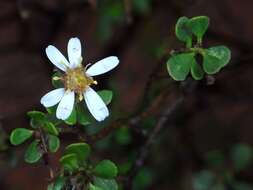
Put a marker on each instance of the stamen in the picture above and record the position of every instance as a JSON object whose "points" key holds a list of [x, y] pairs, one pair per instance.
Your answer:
{"points": [[57, 78], [95, 82], [80, 97], [77, 81]]}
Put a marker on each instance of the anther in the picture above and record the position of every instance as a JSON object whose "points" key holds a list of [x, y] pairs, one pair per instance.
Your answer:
{"points": [[57, 78], [80, 97]]}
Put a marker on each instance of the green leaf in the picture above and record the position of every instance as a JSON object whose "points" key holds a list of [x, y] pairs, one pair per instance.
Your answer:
{"points": [[105, 184], [106, 169], [69, 162], [20, 135], [59, 183], [37, 118], [123, 135], [199, 26], [196, 71], [83, 117], [37, 115], [52, 110], [183, 31], [93, 187], [143, 179], [82, 150], [53, 143], [241, 156], [72, 118], [51, 115], [33, 153], [179, 65], [203, 180], [124, 168], [106, 96], [50, 128], [57, 83], [215, 58], [50, 186], [141, 6]]}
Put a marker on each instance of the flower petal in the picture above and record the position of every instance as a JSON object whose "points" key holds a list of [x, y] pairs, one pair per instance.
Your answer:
{"points": [[56, 57], [52, 97], [66, 105], [95, 104], [74, 52], [103, 66]]}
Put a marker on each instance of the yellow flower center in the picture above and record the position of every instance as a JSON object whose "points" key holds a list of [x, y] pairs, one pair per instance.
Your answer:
{"points": [[76, 80]]}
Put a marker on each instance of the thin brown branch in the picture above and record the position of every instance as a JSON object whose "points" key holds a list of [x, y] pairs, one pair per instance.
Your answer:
{"points": [[142, 155], [46, 154]]}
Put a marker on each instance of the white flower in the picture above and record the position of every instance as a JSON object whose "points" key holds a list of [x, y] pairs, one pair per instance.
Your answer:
{"points": [[77, 81]]}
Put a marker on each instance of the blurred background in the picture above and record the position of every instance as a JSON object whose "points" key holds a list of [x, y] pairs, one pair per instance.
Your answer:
{"points": [[207, 142]]}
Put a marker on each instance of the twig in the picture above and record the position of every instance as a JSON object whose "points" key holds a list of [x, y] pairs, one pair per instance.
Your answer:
{"points": [[46, 154], [128, 10], [150, 141]]}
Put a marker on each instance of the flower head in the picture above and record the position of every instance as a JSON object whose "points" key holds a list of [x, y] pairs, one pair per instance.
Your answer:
{"points": [[77, 81]]}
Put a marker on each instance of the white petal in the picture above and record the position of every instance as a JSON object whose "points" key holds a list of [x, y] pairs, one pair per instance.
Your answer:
{"points": [[74, 52], [56, 57], [66, 105], [95, 104], [103, 66], [52, 97]]}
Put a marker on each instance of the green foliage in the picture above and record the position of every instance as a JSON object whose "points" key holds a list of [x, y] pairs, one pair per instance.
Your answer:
{"points": [[105, 184], [70, 162], [106, 96], [182, 30], [106, 169], [141, 6], [186, 28], [33, 152], [81, 150], [184, 61], [124, 167], [196, 71], [59, 183], [198, 26], [143, 179], [93, 187], [216, 58], [123, 136], [41, 120], [20, 135], [53, 143], [204, 180], [241, 156], [55, 80], [50, 128], [50, 186], [37, 115], [71, 120], [111, 13], [83, 117], [179, 65]]}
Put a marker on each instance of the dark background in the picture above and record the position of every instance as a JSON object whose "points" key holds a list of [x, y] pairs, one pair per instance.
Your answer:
{"points": [[211, 118]]}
